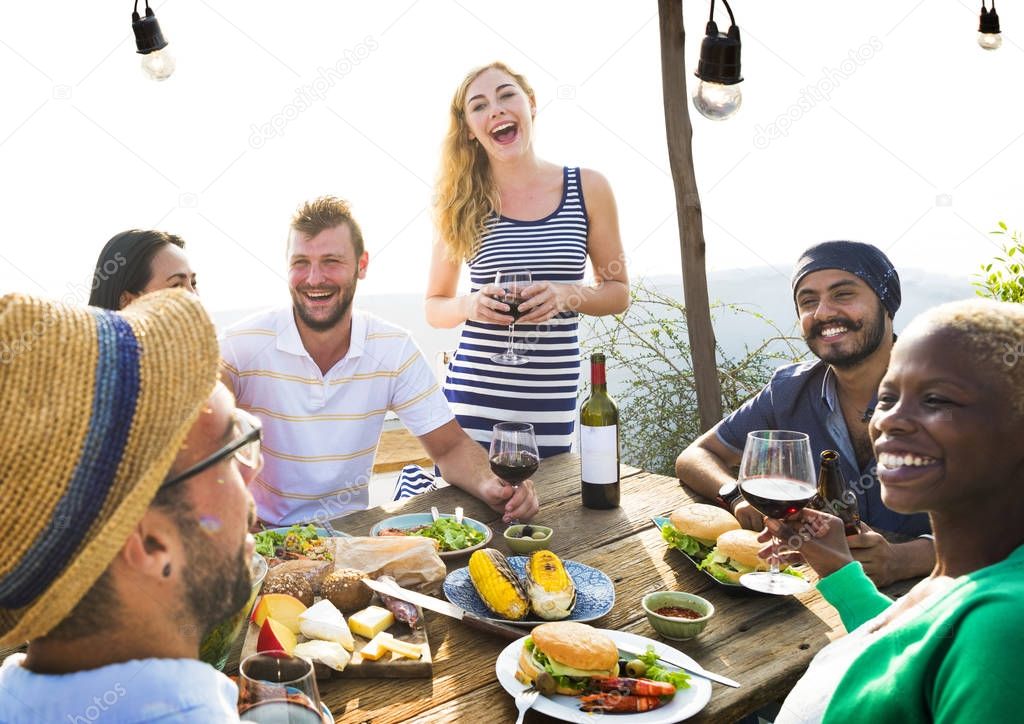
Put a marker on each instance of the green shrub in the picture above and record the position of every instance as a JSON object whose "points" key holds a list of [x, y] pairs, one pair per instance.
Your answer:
{"points": [[1002, 279], [658, 414]]}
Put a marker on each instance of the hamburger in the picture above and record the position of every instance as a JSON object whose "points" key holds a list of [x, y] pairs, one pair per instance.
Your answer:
{"points": [[573, 653], [694, 528], [734, 555]]}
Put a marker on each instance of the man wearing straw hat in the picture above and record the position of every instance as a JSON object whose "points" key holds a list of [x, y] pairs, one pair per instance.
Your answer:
{"points": [[125, 514]]}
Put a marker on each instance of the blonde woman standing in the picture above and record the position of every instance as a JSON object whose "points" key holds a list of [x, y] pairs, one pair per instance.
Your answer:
{"points": [[499, 207]]}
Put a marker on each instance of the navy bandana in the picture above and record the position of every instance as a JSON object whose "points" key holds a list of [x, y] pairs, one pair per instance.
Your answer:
{"points": [[864, 261]]}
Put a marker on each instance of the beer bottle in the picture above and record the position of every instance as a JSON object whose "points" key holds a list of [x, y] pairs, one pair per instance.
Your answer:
{"points": [[834, 495]]}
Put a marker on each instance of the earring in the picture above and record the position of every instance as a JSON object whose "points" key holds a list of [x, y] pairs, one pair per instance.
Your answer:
{"points": [[167, 571]]}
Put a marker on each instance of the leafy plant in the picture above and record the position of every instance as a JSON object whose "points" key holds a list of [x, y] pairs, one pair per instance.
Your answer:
{"points": [[1003, 278], [658, 401]]}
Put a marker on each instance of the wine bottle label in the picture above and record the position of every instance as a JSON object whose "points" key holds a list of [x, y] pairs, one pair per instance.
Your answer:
{"points": [[599, 452]]}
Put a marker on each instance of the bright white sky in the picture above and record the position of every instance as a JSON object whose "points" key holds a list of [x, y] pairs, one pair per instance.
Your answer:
{"points": [[916, 146]]}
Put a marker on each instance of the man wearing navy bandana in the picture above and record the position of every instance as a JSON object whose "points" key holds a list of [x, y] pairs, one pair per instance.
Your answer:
{"points": [[846, 295]]}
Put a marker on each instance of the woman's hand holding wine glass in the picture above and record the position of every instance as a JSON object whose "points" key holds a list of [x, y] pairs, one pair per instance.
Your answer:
{"points": [[485, 305], [512, 284], [777, 478], [823, 543]]}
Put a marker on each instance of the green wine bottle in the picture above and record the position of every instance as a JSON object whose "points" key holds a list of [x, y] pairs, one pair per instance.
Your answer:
{"points": [[599, 442]]}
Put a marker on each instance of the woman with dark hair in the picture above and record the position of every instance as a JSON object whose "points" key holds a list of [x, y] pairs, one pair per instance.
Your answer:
{"points": [[137, 262]]}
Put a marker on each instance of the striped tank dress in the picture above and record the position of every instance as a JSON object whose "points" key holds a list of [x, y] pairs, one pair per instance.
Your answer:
{"points": [[543, 391]]}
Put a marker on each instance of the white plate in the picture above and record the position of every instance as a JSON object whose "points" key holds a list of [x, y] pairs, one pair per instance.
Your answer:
{"points": [[683, 705]]}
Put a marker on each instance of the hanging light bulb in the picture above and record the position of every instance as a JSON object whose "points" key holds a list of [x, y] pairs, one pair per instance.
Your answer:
{"points": [[989, 36], [157, 61], [717, 95]]}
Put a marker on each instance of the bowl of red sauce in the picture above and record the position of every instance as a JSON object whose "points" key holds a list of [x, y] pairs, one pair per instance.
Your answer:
{"points": [[677, 615]]}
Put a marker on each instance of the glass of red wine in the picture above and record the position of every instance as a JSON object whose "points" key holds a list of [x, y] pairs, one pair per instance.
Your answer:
{"points": [[275, 687], [513, 454], [512, 284], [777, 478]]}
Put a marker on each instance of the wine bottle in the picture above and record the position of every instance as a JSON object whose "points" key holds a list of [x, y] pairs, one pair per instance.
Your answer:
{"points": [[599, 442], [834, 495]]}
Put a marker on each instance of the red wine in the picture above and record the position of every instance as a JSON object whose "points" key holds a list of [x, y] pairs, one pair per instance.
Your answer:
{"points": [[514, 467], [280, 712], [777, 497], [513, 303]]}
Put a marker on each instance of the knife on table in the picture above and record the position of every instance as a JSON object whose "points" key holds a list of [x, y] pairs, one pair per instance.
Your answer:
{"points": [[695, 670], [448, 609]]}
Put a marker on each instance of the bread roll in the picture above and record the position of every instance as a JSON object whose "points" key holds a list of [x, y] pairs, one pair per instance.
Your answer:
{"points": [[706, 522]]}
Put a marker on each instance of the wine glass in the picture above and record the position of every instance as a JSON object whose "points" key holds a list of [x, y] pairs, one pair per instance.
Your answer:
{"points": [[513, 283], [513, 454], [777, 478], [274, 686]]}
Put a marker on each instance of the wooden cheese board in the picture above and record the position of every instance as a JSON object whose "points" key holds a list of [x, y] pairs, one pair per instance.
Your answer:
{"points": [[389, 666]]}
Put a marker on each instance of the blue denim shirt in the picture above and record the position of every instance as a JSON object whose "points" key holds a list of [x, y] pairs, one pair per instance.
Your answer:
{"points": [[178, 691], [803, 397]]}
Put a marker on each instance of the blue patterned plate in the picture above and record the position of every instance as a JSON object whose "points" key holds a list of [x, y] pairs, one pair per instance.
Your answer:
{"points": [[595, 594]]}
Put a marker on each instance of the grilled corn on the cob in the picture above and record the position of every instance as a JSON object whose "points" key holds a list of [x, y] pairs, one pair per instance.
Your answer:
{"points": [[497, 584], [550, 587]]}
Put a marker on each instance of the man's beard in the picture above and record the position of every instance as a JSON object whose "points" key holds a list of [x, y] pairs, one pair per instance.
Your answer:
{"points": [[344, 303], [874, 333], [215, 590]]}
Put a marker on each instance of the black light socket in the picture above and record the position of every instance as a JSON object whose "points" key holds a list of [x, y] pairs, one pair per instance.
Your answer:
{"points": [[720, 56], [989, 23], [148, 37]]}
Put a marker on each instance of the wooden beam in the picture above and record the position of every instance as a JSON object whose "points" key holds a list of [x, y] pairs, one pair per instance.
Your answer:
{"points": [[688, 213]]}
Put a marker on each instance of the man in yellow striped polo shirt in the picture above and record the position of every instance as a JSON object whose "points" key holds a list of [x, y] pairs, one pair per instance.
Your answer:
{"points": [[321, 376]]}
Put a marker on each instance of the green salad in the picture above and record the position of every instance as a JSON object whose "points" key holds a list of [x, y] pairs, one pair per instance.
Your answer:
{"points": [[679, 679], [450, 535], [297, 541]]}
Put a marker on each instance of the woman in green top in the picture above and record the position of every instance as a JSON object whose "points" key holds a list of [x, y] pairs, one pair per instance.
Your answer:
{"points": [[948, 433]]}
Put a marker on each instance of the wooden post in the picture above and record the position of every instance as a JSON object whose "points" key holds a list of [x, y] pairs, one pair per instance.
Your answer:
{"points": [[688, 214]]}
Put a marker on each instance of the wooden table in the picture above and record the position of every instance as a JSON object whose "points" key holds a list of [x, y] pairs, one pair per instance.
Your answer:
{"points": [[764, 642]]}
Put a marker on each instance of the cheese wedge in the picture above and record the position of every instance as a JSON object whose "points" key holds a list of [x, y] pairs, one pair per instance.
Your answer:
{"points": [[329, 653], [324, 621], [403, 648], [370, 621], [375, 649]]}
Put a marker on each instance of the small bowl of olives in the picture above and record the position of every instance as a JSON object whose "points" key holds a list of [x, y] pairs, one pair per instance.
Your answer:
{"points": [[527, 538]]}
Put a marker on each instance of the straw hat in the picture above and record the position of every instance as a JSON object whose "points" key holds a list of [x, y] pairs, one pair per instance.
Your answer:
{"points": [[94, 406]]}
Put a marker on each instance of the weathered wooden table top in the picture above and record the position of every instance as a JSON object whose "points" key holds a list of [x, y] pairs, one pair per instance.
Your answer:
{"points": [[764, 642]]}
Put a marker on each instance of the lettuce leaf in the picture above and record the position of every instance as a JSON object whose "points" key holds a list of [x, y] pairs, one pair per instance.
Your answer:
{"points": [[679, 679], [687, 544]]}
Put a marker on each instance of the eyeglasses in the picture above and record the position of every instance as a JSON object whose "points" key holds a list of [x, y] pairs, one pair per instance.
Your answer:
{"points": [[245, 448]]}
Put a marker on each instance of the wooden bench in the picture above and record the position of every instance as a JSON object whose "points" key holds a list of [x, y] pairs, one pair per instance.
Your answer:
{"points": [[399, 448]]}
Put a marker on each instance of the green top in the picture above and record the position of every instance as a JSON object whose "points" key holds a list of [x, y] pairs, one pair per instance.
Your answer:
{"points": [[960, 660]]}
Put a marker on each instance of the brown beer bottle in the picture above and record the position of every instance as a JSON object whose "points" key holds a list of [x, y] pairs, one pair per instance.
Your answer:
{"points": [[834, 495]]}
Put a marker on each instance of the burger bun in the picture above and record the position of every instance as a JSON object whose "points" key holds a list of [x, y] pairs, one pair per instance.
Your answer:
{"points": [[742, 546], [703, 521]]}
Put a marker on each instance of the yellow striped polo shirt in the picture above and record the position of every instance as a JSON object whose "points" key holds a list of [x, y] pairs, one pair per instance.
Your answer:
{"points": [[320, 431]]}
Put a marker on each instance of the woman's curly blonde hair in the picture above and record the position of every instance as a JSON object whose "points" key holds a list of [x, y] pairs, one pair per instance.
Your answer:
{"points": [[992, 332], [466, 196]]}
